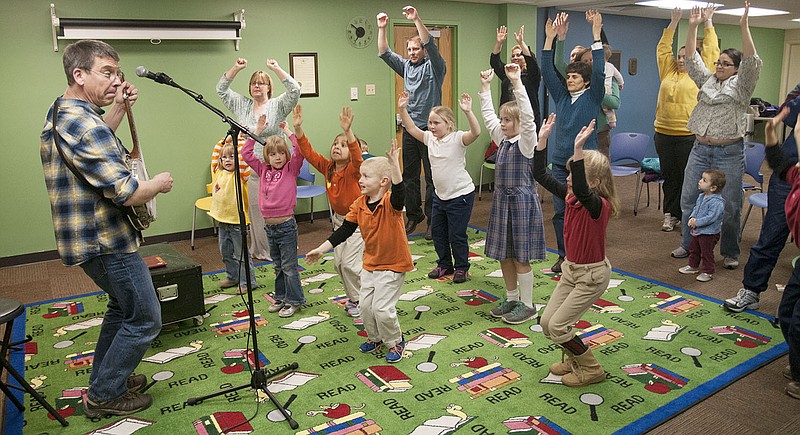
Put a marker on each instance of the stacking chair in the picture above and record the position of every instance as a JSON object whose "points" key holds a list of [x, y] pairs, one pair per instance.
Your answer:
{"points": [[204, 204], [308, 190], [627, 150], [754, 153], [10, 309]]}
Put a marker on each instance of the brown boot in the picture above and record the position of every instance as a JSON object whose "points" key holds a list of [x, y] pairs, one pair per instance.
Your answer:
{"points": [[563, 367], [585, 370]]}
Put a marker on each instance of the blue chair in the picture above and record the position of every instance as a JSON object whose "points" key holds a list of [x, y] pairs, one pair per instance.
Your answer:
{"points": [[754, 154], [626, 152], [308, 190]]}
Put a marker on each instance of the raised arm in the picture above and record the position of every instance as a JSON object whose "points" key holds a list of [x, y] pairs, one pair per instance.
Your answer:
{"points": [[710, 52], [465, 104], [410, 12], [748, 47], [549, 34], [495, 62], [664, 56], [520, 38], [695, 18], [273, 66], [240, 64], [383, 22], [408, 123], [297, 121]]}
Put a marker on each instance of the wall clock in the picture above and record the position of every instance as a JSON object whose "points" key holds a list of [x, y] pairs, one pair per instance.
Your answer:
{"points": [[360, 32]]}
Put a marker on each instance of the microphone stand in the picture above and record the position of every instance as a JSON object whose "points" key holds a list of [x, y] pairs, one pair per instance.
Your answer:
{"points": [[258, 378]]}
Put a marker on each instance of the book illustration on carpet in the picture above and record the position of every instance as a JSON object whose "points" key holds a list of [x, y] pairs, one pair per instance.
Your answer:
{"points": [[463, 370]]}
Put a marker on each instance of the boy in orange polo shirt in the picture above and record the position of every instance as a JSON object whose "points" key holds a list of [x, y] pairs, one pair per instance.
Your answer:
{"points": [[378, 214]]}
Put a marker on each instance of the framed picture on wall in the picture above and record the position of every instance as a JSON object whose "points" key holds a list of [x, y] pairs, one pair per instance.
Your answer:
{"points": [[303, 67]]}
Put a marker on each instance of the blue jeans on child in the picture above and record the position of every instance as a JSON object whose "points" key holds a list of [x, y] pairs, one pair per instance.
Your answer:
{"points": [[230, 246], [131, 322], [283, 249], [730, 160], [449, 223]]}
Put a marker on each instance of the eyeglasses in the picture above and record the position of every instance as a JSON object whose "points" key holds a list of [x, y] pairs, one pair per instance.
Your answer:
{"points": [[110, 76], [723, 64], [259, 84]]}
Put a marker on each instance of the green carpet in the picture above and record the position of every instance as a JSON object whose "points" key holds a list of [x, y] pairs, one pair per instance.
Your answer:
{"points": [[664, 350]]}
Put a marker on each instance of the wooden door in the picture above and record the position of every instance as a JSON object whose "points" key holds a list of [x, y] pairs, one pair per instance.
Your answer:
{"points": [[403, 33]]}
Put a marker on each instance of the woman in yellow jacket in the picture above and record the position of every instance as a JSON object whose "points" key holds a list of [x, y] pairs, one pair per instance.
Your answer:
{"points": [[677, 96]]}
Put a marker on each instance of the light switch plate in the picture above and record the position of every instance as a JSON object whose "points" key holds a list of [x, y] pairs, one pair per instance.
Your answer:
{"points": [[353, 94]]}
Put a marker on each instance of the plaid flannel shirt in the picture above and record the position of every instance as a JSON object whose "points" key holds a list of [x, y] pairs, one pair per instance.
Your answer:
{"points": [[85, 225]]}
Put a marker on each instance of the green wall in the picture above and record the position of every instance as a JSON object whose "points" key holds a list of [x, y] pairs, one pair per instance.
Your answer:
{"points": [[176, 133]]}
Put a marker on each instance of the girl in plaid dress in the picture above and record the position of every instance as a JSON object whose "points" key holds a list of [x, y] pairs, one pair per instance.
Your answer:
{"points": [[516, 229]]}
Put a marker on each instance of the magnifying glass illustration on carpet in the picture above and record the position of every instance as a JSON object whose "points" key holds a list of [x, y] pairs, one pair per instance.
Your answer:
{"points": [[420, 309], [67, 343], [592, 400], [304, 340], [326, 258], [694, 353], [624, 297], [317, 290], [275, 415], [428, 366], [157, 377]]}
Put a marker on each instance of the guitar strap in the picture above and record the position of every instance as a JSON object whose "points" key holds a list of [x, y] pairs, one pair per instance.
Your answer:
{"points": [[71, 165]]}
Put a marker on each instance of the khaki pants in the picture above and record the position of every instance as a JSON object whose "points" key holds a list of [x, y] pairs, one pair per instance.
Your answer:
{"points": [[579, 287], [380, 291], [347, 260]]}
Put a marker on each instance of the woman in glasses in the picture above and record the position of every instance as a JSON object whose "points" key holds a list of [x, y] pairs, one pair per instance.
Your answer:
{"points": [[677, 96], [718, 122]]}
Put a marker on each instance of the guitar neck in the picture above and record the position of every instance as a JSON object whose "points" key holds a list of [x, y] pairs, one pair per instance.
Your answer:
{"points": [[135, 152]]}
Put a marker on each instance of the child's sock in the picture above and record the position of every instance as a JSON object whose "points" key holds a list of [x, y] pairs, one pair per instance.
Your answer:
{"points": [[525, 281], [513, 295]]}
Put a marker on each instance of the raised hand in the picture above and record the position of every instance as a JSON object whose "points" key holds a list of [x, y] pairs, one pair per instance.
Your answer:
{"points": [[545, 130], [585, 133], [272, 64], [394, 153], [501, 34], [410, 12], [346, 118], [594, 17], [562, 25], [744, 21], [487, 76], [261, 124], [465, 103], [284, 126], [520, 37], [402, 100], [695, 16], [513, 71], [677, 13], [550, 29], [383, 20], [240, 64], [297, 117], [708, 12]]}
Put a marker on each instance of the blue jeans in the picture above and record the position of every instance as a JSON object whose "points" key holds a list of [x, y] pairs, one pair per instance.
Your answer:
{"points": [[771, 240], [560, 173], [230, 246], [730, 160], [415, 151], [449, 223], [283, 249], [789, 319], [131, 322]]}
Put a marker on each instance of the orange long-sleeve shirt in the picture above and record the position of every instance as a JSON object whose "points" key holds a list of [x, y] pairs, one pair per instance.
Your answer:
{"points": [[342, 186]]}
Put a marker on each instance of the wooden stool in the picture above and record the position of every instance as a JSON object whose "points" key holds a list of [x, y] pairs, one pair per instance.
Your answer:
{"points": [[10, 309]]}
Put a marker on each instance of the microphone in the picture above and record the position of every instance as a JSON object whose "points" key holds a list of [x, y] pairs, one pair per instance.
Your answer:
{"points": [[159, 77]]}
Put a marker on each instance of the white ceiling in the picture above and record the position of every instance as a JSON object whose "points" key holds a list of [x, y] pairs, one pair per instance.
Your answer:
{"points": [[630, 8]]}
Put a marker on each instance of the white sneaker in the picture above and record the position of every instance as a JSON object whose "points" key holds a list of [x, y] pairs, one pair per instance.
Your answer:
{"points": [[705, 277], [289, 310], [688, 270], [744, 299], [730, 263], [670, 223], [351, 309], [679, 252]]}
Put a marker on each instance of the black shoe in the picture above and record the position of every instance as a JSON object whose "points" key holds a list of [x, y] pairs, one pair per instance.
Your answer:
{"points": [[128, 403], [428, 235], [556, 268], [411, 225]]}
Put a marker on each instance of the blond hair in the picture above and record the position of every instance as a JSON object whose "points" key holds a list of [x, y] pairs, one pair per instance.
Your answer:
{"points": [[227, 148], [378, 166], [265, 78], [510, 109], [446, 114], [524, 64], [275, 144], [598, 169]]}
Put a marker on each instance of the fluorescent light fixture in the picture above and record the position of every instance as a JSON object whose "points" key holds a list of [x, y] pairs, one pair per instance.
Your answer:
{"points": [[796, 19], [754, 12], [682, 4]]}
